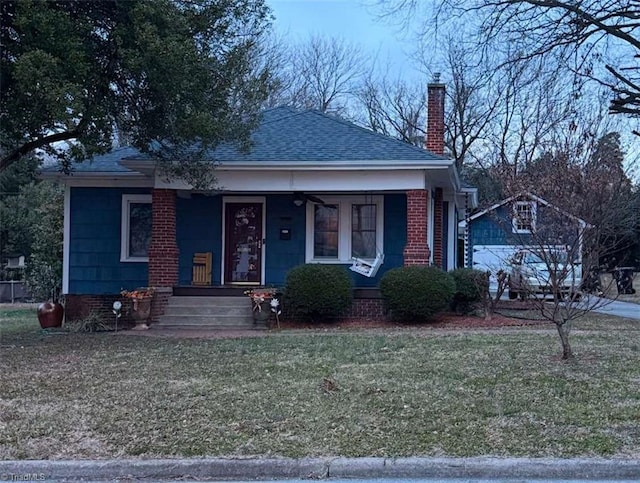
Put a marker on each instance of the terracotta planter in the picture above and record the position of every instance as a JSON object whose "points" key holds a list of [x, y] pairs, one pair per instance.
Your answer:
{"points": [[50, 315], [262, 315], [141, 311]]}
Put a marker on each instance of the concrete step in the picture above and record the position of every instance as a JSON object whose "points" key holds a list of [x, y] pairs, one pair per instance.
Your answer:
{"points": [[207, 310], [207, 313], [210, 301], [206, 320], [206, 327]]}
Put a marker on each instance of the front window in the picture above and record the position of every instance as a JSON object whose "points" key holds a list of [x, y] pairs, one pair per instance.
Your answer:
{"points": [[524, 217], [135, 228], [343, 228], [326, 220], [363, 231]]}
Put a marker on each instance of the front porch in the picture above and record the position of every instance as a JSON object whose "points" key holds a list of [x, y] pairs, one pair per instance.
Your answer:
{"points": [[228, 308]]}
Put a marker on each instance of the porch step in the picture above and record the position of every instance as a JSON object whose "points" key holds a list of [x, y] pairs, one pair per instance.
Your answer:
{"points": [[207, 313]]}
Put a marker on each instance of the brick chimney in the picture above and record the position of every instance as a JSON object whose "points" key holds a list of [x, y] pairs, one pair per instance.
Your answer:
{"points": [[435, 116]]}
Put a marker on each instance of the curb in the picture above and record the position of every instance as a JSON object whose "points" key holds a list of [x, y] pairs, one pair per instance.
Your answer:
{"points": [[321, 468]]}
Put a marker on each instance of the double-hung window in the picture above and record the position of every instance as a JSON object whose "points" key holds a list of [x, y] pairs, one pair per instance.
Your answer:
{"points": [[135, 228], [343, 228], [524, 217]]}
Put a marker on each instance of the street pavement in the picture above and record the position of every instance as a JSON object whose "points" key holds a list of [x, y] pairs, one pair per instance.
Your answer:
{"points": [[621, 309], [335, 469]]}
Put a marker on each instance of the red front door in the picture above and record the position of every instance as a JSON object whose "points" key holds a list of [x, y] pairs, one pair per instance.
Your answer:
{"points": [[243, 243]]}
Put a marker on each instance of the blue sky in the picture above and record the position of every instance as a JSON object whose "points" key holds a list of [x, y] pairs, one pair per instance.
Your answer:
{"points": [[353, 20]]}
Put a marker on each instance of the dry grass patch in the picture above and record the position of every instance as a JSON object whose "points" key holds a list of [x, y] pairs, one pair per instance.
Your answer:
{"points": [[349, 393], [611, 292]]}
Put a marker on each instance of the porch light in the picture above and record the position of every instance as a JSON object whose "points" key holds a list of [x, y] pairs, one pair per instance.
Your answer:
{"points": [[298, 199]]}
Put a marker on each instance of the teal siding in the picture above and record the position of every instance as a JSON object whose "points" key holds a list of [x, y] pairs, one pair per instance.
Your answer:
{"points": [[95, 266], [94, 243], [282, 255], [494, 228], [199, 229]]}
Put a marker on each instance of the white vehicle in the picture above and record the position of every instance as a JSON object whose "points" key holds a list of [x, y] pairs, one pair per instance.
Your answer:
{"points": [[545, 272]]}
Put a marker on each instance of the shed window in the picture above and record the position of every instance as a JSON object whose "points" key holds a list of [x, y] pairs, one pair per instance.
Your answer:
{"points": [[136, 228], [524, 217]]}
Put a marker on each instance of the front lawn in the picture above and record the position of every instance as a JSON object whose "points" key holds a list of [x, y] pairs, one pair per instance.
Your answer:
{"points": [[401, 392]]}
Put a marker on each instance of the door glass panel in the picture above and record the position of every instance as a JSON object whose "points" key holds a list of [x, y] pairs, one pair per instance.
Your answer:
{"points": [[244, 242]]}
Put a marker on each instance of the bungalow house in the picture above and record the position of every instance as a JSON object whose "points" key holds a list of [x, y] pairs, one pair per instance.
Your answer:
{"points": [[493, 236], [313, 189]]}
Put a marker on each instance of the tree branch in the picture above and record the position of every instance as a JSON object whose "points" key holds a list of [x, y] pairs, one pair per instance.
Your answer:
{"points": [[26, 148]]}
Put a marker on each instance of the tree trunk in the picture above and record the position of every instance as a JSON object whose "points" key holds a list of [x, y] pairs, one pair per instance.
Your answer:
{"points": [[567, 353]]}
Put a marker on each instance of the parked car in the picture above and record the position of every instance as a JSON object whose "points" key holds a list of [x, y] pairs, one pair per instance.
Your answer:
{"points": [[547, 272]]}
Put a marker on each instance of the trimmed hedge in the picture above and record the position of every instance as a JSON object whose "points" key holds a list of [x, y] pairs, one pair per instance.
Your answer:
{"points": [[471, 286], [415, 294], [317, 291]]}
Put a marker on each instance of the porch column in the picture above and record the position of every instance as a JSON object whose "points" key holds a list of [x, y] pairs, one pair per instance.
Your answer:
{"points": [[163, 252], [438, 237], [417, 250]]}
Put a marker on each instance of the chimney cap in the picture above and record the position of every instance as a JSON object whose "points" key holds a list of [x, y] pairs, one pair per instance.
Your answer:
{"points": [[435, 82]]}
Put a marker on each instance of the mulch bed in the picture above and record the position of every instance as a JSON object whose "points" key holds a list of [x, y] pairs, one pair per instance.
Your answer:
{"points": [[445, 320]]}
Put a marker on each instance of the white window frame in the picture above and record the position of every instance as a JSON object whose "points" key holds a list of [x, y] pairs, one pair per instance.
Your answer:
{"points": [[514, 218], [344, 226], [127, 200]]}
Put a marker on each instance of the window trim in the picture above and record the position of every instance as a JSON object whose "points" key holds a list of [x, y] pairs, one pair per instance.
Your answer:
{"points": [[125, 225], [514, 217], [344, 226]]}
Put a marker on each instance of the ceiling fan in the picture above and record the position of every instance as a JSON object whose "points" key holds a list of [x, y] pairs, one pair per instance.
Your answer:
{"points": [[299, 198]]}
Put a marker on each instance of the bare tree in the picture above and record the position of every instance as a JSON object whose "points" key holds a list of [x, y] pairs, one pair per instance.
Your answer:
{"points": [[548, 270], [394, 108], [597, 39], [321, 73], [471, 109]]}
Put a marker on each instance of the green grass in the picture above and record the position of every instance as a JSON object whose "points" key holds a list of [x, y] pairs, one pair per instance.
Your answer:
{"points": [[413, 391]]}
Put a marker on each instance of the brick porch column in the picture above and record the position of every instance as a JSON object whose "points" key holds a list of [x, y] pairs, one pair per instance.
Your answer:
{"points": [[163, 252], [438, 217], [417, 250]]}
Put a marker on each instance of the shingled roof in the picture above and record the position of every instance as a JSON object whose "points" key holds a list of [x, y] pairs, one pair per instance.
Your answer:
{"points": [[288, 135]]}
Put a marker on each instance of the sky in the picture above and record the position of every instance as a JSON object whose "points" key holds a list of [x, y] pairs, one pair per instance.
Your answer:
{"points": [[356, 21]]}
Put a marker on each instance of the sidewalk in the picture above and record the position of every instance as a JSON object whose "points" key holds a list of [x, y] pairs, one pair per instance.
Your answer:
{"points": [[322, 468]]}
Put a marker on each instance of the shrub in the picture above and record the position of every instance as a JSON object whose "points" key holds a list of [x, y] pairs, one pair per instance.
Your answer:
{"points": [[416, 293], [91, 323], [471, 286], [316, 291]]}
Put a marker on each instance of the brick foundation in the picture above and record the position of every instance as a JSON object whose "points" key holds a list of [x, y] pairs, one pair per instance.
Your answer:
{"points": [[367, 304], [366, 309], [78, 307]]}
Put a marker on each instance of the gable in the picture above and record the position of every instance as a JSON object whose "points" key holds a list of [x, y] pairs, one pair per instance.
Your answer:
{"points": [[534, 200]]}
